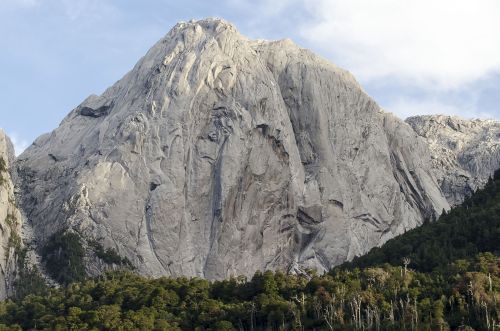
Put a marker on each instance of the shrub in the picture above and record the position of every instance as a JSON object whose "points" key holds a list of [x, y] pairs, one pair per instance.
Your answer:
{"points": [[63, 257], [3, 168], [109, 255]]}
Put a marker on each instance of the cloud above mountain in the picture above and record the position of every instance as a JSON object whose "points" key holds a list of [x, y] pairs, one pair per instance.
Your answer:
{"points": [[440, 44]]}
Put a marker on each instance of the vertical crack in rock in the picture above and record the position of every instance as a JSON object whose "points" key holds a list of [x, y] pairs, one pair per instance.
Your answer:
{"points": [[149, 233], [216, 206]]}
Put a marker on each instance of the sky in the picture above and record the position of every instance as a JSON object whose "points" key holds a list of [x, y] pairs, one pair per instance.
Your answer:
{"points": [[413, 57]]}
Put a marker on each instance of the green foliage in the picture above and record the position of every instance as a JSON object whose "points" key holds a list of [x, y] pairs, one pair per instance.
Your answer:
{"points": [[465, 231], [14, 241], [362, 299], [28, 280], [14, 238], [11, 221], [109, 255], [63, 257], [3, 168]]}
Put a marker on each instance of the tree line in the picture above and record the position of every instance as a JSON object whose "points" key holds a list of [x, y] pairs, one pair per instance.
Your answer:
{"points": [[374, 298]]}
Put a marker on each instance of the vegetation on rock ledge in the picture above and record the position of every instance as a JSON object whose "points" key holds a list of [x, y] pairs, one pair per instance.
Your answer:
{"points": [[3, 168], [63, 257], [109, 255]]}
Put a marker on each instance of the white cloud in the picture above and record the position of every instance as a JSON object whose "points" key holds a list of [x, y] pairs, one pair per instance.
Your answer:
{"points": [[93, 9], [441, 44], [264, 8], [405, 107], [19, 3], [19, 144]]}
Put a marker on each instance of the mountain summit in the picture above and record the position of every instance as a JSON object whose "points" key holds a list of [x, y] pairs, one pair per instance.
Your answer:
{"points": [[218, 155]]}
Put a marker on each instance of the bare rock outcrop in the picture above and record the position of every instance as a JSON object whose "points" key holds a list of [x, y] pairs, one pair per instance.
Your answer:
{"points": [[10, 220], [218, 155], [465, 153]]}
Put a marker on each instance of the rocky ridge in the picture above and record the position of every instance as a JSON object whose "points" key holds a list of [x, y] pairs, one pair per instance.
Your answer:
{"points": [[464, 153]]}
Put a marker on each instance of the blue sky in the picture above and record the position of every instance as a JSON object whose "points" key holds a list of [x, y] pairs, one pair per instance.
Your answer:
{"points": [[413, 57]]}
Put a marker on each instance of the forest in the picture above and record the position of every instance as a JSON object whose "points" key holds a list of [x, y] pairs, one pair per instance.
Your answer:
{"points": [[463, 232], [375, 298], [444, 275]]}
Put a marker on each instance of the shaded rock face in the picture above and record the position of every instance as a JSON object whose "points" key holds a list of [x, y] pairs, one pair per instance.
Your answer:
{"points": [[10, 220], [465, 153], [218, 155]]}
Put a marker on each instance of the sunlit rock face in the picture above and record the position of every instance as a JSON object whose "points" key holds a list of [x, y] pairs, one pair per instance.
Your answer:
{"points": [[464, 153], [10, 220], [218, 155]]}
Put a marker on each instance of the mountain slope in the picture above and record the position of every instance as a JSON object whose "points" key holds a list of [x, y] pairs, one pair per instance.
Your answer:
{"points": [[10, 220], [218, 155], [468, 229]]}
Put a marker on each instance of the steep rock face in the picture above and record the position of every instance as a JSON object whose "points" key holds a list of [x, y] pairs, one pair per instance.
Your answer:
{"points": [[10, 219], [465, 153], [365, 168], [217, 155]]}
